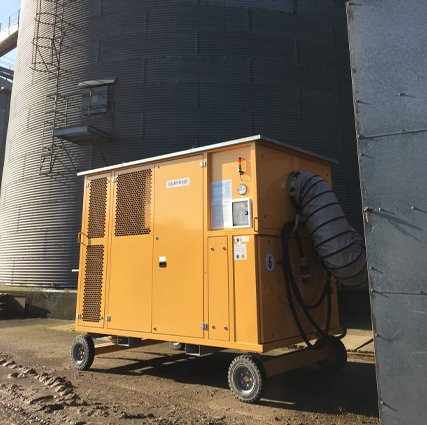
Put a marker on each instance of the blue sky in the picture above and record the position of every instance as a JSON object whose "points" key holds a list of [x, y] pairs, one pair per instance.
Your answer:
{"points": [[7, 8]]}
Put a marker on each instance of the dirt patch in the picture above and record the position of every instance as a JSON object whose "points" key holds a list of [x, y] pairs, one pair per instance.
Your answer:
{"points": [[155, 385]]}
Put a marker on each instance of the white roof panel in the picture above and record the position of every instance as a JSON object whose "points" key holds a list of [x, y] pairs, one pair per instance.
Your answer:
{"points": [[204, 149]]}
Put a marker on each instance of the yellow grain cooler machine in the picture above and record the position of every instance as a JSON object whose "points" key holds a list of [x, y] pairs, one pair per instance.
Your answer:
{"points": [[236, 245]]}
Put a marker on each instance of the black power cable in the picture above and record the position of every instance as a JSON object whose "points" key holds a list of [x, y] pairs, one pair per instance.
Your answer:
{"points": [[294, 292]]}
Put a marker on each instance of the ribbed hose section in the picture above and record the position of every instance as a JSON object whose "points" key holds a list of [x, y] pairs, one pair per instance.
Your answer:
{"points": [[339, 246]]}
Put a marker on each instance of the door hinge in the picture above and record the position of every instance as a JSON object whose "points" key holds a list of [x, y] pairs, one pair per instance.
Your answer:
{"points": [[87, 185], [204, 326], [108, 318], [203, 163], [79, 316]]}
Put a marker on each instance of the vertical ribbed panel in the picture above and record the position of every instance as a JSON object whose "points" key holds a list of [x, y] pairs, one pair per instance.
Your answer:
{"points": [[189, 73], [4, 118]]}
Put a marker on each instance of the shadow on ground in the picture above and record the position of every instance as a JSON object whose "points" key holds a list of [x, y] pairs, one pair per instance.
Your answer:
{"points": [[353, 390]]}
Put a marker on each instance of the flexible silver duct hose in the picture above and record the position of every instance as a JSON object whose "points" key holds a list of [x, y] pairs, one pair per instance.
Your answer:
{"points": [[340, 247]]}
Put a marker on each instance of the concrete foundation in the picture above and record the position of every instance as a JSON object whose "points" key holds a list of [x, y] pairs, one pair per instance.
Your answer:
{"points": [[61, 304], [58, 304]]}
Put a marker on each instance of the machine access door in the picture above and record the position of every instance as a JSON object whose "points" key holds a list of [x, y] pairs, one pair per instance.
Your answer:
{"points": [[93, 251], [178, 248], [131, 250], [218, 288]]}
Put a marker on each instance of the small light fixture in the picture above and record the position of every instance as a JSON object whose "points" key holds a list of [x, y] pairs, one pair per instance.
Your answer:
{"points": [[239, 166]]}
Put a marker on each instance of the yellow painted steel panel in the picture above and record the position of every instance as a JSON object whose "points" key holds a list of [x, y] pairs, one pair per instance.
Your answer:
{"points": [[219, 320], [277, 322], [274, 167], [178, 248], [94, 251], [245, 290], [131, 251]]}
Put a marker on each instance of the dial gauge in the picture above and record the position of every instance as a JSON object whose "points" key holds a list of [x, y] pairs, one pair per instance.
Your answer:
{"points": [[242, 189]]}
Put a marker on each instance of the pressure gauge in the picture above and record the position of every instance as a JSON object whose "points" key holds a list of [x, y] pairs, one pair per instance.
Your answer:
{"points": [[242, 189]]}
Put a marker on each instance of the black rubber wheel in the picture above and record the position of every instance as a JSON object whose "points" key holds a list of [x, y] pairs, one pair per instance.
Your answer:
{"points": [[246, 378], [177, 346], [338, 355], [82, 352]]}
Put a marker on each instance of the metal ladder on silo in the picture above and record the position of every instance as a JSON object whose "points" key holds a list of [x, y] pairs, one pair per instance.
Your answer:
{"points": [[49, 34]]}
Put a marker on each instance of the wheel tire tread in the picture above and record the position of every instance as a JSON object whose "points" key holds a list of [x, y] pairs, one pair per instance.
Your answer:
{"points": [[256, 367], [340, 354], [89, 347]]}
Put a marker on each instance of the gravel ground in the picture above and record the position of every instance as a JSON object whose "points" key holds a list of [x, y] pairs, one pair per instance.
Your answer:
{"points": [[155, 385]]}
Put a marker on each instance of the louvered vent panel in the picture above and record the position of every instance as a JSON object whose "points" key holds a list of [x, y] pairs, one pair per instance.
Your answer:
{"points": [[97, 208], [133, 203], [92, 297]]}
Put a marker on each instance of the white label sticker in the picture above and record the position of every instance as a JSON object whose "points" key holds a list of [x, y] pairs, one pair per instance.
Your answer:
{"points": [[270, 261], [171, 184], [240, 252], [241, 239], [221, 208]]}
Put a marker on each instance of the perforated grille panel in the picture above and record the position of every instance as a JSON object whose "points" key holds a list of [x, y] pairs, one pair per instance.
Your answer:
{"points": [[97, 208], [92, 296], [133, 203]]}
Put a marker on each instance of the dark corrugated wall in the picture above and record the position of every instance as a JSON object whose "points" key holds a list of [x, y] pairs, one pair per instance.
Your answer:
{"points": [[5, 89], [189, 73]]}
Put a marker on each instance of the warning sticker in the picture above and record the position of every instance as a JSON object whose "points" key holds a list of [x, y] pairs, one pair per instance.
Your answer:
{"points": [[171, 184], [240, 251]]}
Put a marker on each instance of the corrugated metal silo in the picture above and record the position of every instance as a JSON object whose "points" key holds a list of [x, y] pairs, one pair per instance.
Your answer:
{"points": [[158, 76], [5, 90]]}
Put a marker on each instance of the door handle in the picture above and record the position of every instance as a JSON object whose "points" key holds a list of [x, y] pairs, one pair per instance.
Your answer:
{"points": [[80, 236]]}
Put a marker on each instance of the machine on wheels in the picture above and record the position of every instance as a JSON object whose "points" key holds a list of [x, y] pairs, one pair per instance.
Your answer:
{"points": [[229, 246]]}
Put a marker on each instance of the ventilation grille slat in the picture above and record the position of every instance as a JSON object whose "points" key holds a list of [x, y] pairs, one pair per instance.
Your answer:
{"points": [[93, 285], [133, 203], [97, 208]]}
